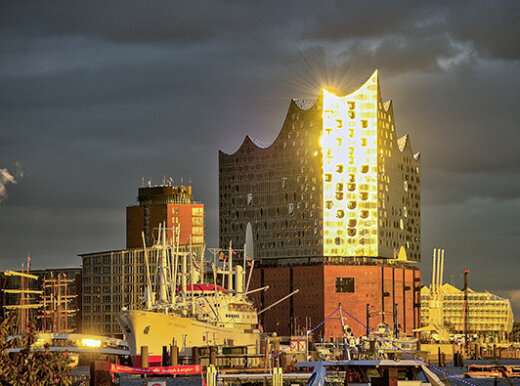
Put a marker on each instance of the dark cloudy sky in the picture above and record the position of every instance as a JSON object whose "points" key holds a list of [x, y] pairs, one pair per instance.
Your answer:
{"points": [[97, 95]]}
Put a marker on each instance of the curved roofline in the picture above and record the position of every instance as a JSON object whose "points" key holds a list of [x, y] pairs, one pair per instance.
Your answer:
{"points": [[407, 145], [248, 142]]}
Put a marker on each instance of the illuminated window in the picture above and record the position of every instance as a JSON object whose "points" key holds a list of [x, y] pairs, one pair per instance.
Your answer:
{"points": [[351, 204], [340, 213], [328, 177], [197, 211], [339, 168], [249, 198], [363, 168]]}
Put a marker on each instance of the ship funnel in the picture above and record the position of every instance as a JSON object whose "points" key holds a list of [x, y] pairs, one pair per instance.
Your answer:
{"points": [[239, 279]]}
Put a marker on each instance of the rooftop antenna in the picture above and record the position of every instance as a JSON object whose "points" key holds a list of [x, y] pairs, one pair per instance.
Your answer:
{"points": [[142, 182], [149, 182], [170, 181], [182, 181], [164, 180]]}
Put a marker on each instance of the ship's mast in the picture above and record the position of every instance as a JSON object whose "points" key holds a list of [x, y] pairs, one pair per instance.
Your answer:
{"points": [[230, 268], [183, 278], [148, 288], [24, 302], [176, 264], [162, 271], [191, 281]]}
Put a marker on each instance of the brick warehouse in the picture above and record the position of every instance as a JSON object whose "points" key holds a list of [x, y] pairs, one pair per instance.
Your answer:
{"points": [[321, 291], [334, 204]]}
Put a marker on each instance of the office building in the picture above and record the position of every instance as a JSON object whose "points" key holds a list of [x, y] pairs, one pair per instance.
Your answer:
{"points": [[334, 203], [490, 317], [170, 205], [336, 182], [116, 279]]}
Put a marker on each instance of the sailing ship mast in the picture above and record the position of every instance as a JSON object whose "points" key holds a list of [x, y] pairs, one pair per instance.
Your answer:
{"points": [[25, 305]]}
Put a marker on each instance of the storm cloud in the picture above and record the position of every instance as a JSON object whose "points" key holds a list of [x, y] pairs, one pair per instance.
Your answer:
{"points": [[97, 97]]}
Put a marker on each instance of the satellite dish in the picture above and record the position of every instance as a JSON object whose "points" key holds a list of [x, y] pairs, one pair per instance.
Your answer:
{"points": [[249, 241]]}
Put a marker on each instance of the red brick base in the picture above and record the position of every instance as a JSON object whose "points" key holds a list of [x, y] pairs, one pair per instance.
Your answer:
{"points": [[379, 286]]}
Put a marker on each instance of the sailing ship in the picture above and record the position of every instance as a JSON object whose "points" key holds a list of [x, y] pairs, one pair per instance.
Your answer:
{"points": [[185, 311]]}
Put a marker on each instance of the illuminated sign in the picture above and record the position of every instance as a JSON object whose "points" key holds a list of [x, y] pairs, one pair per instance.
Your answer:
{"points": [[94, 343]]}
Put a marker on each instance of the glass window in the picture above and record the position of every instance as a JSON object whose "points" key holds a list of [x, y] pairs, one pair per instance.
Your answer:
{"points": [[345, 284]]}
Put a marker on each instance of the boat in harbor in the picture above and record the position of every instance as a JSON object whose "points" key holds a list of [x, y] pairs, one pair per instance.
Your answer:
{"points": [[486, 371], [189, 313], [512, 371]]}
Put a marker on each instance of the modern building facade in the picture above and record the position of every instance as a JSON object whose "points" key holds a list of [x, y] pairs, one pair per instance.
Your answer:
{"points": [[116, 279], [489, 316], [334, 203], [336, 182], [170, 205]]}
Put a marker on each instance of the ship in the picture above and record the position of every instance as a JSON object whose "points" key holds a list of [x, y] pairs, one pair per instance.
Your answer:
{"points": [[187, 312]]}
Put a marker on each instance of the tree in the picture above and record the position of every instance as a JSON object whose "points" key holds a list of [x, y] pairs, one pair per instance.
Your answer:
{"points": [[36, 367]]}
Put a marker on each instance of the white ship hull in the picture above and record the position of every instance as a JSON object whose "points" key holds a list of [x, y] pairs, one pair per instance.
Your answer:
{"points": [[158, 329]]}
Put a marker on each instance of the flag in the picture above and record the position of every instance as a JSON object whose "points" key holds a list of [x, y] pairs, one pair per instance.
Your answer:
{"points": [[28, 257], [234, 253], [249, 261], [222, 256]]}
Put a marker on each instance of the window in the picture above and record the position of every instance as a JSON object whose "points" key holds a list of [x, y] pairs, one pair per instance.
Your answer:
{"points": [[197, 211], [345, 284], [197, 239]]}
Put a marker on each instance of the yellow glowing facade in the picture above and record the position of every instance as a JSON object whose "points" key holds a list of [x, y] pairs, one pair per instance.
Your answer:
{"points": [[350, 172], [359, 210], [489, 315], [336, 182]]}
